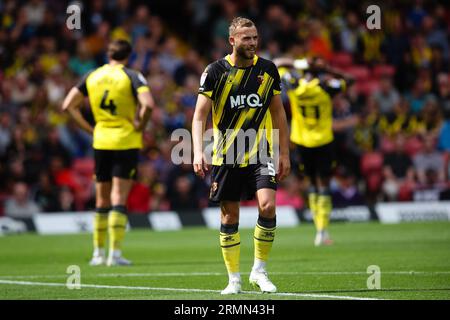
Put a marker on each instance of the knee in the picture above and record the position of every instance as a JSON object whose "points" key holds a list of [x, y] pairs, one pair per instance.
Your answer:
{"points": [[102, 203], [116, 198], [267, 209], [229, 214]]}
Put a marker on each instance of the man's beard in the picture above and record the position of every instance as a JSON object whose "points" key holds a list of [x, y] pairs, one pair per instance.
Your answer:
{"points": [[244, 54]]}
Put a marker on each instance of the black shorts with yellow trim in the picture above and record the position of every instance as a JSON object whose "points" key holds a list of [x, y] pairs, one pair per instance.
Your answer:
{"points": [[318, 161], [235, 184], [115, 163]]}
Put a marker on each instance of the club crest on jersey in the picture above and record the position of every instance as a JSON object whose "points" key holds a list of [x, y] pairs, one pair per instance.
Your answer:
{"points": [[242, 100], [260, 79]]}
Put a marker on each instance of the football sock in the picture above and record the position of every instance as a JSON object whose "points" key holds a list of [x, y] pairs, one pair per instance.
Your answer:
{"points": [[312, 202], [324, 207], [263, 239], [117, 224], [230, 242], [100, 228]]}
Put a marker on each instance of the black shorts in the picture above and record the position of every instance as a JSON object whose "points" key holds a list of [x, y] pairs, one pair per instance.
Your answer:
{"points": [[317, 162], [115, 163], [235, 184]]}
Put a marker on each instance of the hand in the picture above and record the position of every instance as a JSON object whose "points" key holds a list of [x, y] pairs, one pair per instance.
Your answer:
{"points": [[200, 165], [284, 167], [137, 125]]}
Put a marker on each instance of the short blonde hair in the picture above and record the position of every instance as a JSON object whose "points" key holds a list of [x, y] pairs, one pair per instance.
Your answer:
{"points": [[239, 22]]}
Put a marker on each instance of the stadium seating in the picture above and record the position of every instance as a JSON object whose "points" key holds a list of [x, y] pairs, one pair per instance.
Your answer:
{"points": [[360, 72], [383, 69], [371, 168], [341, 60]]}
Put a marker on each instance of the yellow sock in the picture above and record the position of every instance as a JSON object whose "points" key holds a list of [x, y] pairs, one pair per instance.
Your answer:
{"points": [[263, 240], [117, 224], [324, 207], [100, 229], [231, 249], [312, 202]]}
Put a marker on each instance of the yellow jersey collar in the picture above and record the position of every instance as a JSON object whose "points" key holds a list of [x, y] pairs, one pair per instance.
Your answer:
{"points": [[228, 58]]}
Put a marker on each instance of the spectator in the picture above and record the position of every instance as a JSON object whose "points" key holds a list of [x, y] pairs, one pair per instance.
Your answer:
{"points": [[398, 173], [417, 96], [66, 200], [184, 197], [46, 194], [387, 97], [5, 132], [346, 194], [82, 62], [443, 94], [22, 91], [19, 205], [429, 163]]}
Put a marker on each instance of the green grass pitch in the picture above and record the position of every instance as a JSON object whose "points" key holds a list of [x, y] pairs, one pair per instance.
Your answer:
{"points": [[414, 259]]}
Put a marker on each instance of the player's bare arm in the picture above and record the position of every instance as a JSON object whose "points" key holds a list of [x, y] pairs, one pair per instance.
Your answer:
{"points": [[72, 104], [202, 109], [147, 104], [280, 122]]}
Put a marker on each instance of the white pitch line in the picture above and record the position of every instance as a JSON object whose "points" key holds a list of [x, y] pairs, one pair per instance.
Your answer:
{"points": [[292, 294], [189, 274]]}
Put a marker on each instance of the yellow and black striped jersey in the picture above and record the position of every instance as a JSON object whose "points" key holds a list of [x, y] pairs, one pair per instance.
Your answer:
{"points": [[240, 99], [112, 92], [311, 108]]}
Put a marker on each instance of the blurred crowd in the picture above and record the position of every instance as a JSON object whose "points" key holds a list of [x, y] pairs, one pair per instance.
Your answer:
{"points": [[392, 127]]}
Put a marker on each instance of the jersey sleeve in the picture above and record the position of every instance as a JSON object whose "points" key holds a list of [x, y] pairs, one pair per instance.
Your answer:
{"points": [[276, 87], [289, 78], [335, 86], [81, 85], [207, 82], [138, 82]]}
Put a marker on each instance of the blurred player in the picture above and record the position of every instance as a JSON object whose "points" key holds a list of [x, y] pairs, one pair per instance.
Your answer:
{"points": [[242, 90], [310, 86], [114, 93]]}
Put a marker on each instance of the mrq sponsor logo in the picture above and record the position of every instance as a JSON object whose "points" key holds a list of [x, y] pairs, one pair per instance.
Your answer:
{"points": [[242, 100]]}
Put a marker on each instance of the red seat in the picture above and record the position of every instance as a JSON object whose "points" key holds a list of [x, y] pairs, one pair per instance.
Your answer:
{"points": [[371, 169], [341, 59], [413, 145], [371, 162], [84, 166], [366, 88], [359, 72], [383, 69], [387, 145]]}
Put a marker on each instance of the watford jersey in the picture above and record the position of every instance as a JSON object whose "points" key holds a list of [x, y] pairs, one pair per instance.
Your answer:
{"points": [[112, 92], [311, 108], [240, 99]]}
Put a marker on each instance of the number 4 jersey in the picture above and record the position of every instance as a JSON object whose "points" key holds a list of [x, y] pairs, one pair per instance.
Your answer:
{"points": [[112, 92], [311, 106]]}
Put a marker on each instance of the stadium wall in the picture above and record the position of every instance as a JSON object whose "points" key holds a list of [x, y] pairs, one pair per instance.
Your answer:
{"points": [[79, 222]]}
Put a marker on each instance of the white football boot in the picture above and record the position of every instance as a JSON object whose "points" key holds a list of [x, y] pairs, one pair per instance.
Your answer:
{"points": [[322, 238], [260, 279], [233, 287], [98, 258], [115, 259]]}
